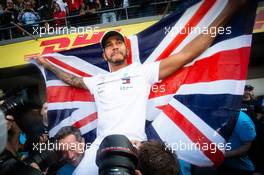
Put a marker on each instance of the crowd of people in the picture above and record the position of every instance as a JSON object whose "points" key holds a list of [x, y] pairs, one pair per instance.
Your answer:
{"points": [[154, 157], [18, 157], [27, 130], [58, 13]]}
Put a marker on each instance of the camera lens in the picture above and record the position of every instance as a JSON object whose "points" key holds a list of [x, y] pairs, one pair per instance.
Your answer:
{"points": [[15, 103], [116, 156]]}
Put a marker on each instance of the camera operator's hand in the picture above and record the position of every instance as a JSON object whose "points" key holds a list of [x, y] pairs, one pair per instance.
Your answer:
{"points": [[137, 172], [43, 138], [9, 121], [34, 165], [7, 11]]}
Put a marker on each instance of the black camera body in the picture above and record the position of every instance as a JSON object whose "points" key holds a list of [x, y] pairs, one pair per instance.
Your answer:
{"points": [[16, 105], [116, 156], [23, 89]]}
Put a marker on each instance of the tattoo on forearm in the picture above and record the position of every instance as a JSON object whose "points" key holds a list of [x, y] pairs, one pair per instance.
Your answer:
{"points": [[67, 77]]}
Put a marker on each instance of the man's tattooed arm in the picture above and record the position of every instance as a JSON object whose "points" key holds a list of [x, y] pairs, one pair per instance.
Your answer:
{"points": [[64, 76]]}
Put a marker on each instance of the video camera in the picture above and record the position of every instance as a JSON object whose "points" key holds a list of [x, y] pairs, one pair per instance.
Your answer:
{"points": [[23, 91], [15, 105]]}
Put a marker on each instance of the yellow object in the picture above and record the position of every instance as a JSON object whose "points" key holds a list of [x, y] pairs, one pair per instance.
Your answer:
{"points": [[19, 53]]}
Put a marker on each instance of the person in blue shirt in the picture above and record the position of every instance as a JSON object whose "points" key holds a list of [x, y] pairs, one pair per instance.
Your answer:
{"points": [[67, 169], [236, 159], [72, 146], [185, 168]]}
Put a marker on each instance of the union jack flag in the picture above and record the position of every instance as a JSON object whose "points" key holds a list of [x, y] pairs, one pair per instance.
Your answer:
{"points": [[201, 101]]}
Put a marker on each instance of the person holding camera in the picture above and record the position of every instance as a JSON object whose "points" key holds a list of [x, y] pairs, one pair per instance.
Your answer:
{"points": [[19, 117], [9, 163], [126, 88]]}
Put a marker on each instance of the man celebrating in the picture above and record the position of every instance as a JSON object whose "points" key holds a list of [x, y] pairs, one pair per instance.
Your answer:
{"points": [[121, 96]]}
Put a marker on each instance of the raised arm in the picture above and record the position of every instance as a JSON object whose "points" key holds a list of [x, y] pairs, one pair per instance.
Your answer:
{"points": [[64, 76], [199, 44]]}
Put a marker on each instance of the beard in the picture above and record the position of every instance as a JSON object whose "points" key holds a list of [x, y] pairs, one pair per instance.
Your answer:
{"points": [[118, 61]]}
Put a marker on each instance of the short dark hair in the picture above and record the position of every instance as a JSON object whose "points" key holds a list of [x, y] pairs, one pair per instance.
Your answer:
{"points": [[68, 130], [155, 158]]}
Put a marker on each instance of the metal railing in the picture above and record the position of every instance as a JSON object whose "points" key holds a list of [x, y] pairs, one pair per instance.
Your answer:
{"points": [[131, 12]]}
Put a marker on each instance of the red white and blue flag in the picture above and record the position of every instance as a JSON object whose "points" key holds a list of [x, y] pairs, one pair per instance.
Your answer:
{"points": [[201, 101]]}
